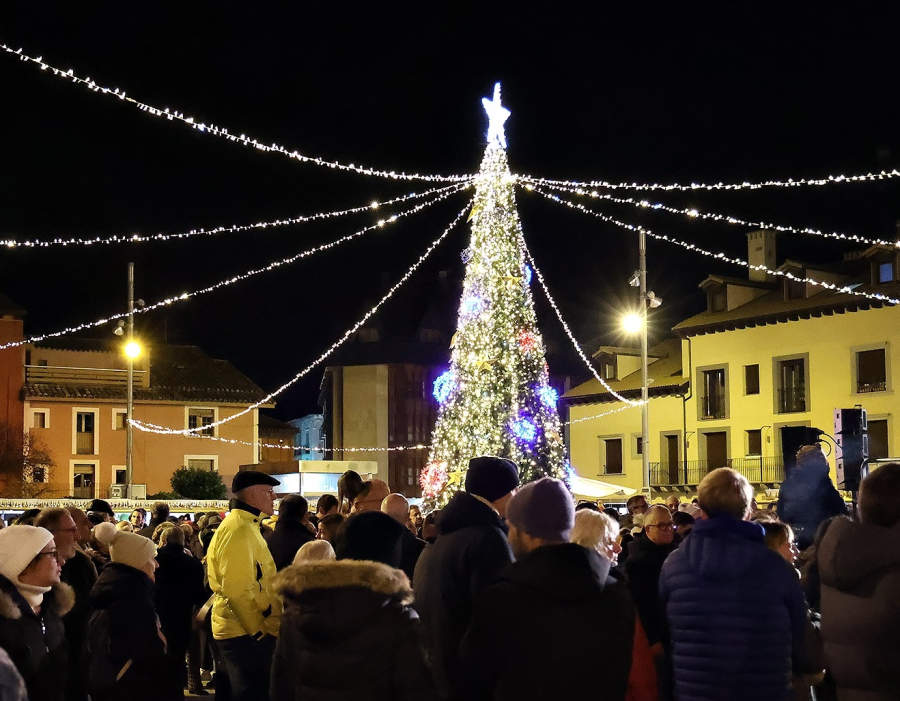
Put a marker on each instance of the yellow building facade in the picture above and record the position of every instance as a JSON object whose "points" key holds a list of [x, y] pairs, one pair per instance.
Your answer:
{"points": [[767, 354]]}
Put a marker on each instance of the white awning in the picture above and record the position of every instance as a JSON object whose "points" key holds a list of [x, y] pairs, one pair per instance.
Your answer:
{"points": [[595, 489]]}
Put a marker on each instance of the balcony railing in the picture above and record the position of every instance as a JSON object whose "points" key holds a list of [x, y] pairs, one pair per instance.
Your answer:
{"points": [[758, 470], [712, 405], [84, 443], [879, 386], [83, 376], [791, 399]]}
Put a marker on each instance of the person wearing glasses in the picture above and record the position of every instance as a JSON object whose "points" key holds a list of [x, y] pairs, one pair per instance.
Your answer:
{"points": [[78, 572], [648, 553], [246, 611], [32, 603]]}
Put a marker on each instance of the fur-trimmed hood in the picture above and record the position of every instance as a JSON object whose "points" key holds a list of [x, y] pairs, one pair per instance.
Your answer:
{"points": [[61, 597], [377, 577]]}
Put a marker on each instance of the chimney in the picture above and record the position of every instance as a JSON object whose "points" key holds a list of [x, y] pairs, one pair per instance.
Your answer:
{"points": [[761, 251]]}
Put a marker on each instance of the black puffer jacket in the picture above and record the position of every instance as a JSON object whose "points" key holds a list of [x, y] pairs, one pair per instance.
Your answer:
{"points": [[179, 588], [470, 552], [36, 643], [348, 632], [124, 637], [860, 569]]}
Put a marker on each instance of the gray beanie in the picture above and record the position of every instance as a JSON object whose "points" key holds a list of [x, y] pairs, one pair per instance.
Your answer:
{"points": [[543, 509]]}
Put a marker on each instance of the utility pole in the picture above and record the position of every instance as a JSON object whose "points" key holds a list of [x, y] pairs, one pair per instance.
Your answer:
{"points": [[129, 412], [645, 406]]}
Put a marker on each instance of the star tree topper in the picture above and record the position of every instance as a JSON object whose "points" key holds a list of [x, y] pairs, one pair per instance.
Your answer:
{"points": [[497, 115]]}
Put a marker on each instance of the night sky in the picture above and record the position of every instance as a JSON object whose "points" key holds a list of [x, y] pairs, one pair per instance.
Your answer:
{"points": [[656, 96]]}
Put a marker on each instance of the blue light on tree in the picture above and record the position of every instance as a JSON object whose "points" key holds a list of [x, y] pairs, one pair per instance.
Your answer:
{"points": [[473, 305], [548, 395], [523, 429], [528, 274], [444, 386]]}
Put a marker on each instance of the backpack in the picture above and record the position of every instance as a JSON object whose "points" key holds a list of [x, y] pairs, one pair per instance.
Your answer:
{"points": [[103, 673]]}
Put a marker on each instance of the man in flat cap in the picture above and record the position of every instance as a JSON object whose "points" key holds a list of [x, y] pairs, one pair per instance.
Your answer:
{"points": [[246, 612], [470, 551]]}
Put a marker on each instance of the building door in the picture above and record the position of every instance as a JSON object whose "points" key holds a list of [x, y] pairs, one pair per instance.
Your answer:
{"points": [[84, 433], [672, 453], [716, 450], [83, 482], [613, 456]]}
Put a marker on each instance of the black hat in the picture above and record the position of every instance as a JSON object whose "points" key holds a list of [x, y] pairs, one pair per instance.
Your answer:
{"points": [[248, 478], [101, 507], [491, 477], [370, 535]]}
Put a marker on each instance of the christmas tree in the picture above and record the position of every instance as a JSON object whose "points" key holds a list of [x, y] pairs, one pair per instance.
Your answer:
{"points": [[495, 399]]}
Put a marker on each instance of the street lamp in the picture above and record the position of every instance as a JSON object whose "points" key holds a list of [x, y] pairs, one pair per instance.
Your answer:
{"points": [[632, 323], [132, 350]]}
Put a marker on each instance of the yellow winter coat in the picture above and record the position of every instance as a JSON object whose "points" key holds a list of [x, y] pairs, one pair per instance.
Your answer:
{"points": [[241, 569]]}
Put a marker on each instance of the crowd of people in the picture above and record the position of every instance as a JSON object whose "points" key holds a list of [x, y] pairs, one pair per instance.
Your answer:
{"points": [[509, 592]]}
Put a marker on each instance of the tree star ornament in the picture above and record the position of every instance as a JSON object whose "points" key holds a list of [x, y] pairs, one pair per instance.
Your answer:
{"points": [[497, 115]]}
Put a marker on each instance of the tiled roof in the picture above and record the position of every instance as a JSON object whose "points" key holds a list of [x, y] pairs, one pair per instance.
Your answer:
{"points": [[177, 373], [772, 307], [664, 375]]}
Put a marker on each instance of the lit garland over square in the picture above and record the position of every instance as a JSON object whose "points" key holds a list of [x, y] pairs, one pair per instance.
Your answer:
{"points": [[499, 400]]}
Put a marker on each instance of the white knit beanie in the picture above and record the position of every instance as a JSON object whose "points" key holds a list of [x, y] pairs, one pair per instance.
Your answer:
{"points": [[18, 547], [127, 548]]}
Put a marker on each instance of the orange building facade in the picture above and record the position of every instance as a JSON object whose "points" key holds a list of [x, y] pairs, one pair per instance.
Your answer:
{"points": [[74, 405]]}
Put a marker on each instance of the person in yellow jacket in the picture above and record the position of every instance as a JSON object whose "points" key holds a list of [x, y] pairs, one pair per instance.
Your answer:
{"points": [[246, 612]]}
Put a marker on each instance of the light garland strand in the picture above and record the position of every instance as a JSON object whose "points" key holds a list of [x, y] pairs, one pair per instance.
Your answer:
{"points": [[391, 449], [726, 218], [843, 289], [168, 301], [233, 228], [575, 344], [745, 185], [223, 132], [153, 428]]}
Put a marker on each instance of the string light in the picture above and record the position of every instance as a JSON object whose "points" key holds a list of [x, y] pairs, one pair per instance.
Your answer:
{"points": [[233, 228], [154, 428], [745, 185], [694, 213], [168, 301], [575, 344], [601, 415], [843, 289], [223, 132]]}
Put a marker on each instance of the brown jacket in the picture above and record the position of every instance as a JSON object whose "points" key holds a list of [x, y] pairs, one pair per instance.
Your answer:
{"points": [[860, 570]]}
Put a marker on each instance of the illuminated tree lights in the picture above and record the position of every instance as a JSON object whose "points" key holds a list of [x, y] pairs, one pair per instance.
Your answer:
{"points": [[495, 398]]}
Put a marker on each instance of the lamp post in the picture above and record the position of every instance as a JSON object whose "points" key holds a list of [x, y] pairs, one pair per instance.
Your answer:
{"points": [[632, 323], [132, 352]]}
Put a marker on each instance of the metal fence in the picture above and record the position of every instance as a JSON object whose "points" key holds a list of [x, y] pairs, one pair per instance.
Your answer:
{"points": [[758, 470]]}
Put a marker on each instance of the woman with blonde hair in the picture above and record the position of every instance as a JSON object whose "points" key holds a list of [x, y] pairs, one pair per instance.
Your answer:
{"points": [[597, 531]]}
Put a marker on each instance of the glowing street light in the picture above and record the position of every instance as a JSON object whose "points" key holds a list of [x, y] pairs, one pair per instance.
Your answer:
{"points": [[133, 350], [632, 323]]}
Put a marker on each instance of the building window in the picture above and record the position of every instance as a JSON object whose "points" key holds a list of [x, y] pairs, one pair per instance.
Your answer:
{"points": [[871, 372], [119, 416], [202, 417], [119, 475], [40, 418], [201, 462], [751, 379], [754, 442], [878, 439], [39, 475], [712, 401], [84, 433], [791, 378], [639, 445], [612, 455], [718, 301], [886, 272]]}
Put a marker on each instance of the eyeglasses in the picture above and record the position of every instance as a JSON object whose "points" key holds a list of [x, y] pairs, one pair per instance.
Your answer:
{"points": [[662, 526], [51, 553]]}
